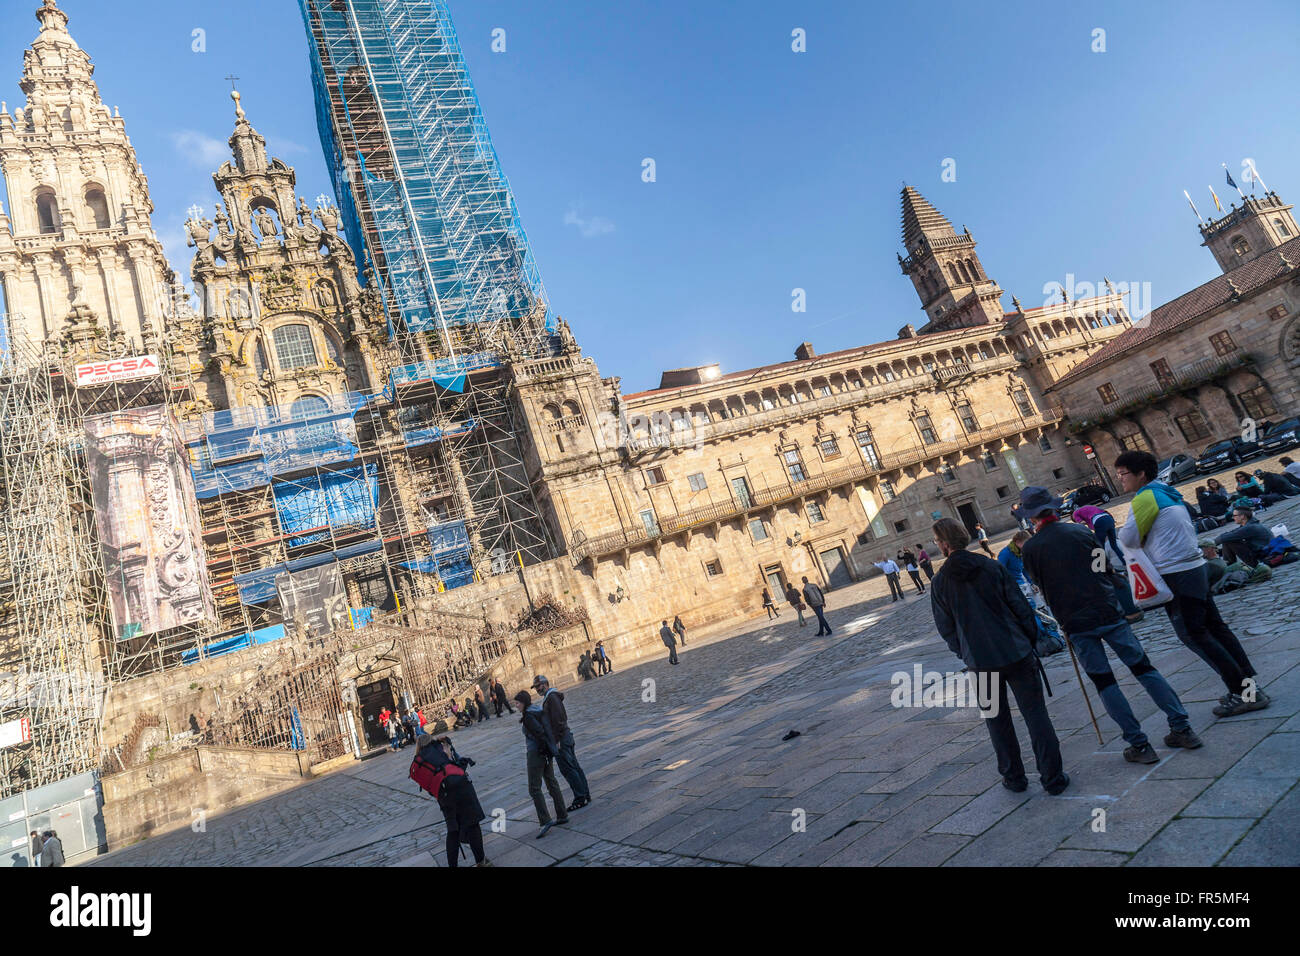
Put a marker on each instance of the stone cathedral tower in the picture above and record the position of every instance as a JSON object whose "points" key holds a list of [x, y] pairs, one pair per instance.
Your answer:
{"points": [[79, 259]]}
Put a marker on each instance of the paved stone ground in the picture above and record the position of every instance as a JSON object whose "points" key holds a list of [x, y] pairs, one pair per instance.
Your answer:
{"points": [[700, 775]]}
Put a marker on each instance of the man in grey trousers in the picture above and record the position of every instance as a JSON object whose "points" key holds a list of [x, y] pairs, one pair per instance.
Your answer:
{"points": [[817, 601]]}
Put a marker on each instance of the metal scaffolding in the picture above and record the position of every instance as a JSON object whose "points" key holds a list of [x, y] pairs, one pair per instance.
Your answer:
{"points": [[429, 211], [51, 607]]}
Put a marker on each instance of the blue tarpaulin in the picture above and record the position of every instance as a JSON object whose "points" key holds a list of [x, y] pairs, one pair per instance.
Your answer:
{"points": [[256, 587], [237, 643], [340, 500]]}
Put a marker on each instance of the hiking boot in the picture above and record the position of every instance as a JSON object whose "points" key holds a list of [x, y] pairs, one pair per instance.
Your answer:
{"points": [[1230, 705], [1016, 786], [1060, 787], [1144, 754], [1186, 739], [1261, 701]]}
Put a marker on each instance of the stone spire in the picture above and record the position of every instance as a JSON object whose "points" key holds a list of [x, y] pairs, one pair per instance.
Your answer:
{"points": [[248, 146], [921, 220]]}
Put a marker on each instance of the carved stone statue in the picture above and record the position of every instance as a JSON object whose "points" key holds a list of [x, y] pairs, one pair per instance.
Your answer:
{"points": [[222, 221], [265, 222], [200, 231], [304, 212], [568, 344]]}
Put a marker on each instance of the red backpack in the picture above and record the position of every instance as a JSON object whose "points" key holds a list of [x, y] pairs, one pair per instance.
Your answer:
{"points": [[431, 767]]}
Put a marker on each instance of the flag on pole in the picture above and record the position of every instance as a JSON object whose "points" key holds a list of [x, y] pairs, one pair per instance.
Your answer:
{"points": [[1230, 182], [1193, 205], [1217, 205], [1254, 176]]}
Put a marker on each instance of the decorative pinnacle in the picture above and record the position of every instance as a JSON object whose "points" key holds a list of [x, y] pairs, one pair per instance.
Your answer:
{"points": [[239, 110]]}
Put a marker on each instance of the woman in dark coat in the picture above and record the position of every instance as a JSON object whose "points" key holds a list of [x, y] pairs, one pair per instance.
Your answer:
{"points": [[458, 801]]}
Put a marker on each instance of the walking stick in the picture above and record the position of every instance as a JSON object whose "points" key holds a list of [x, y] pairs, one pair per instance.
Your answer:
{"points": [[1070, 647]]}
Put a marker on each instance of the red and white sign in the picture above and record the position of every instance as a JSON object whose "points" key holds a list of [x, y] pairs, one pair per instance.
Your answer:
{"points": [[15, 732], [117, 370]]}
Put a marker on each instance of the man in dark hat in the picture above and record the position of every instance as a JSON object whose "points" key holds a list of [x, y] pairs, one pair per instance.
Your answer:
{"points": [[558, 720], [1066, 563]]}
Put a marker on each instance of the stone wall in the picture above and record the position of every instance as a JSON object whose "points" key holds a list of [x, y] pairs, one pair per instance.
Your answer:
{"points": [[164, 794]]}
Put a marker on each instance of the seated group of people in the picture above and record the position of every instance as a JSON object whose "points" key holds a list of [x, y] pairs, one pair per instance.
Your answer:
{"points": [[1259, 490]]}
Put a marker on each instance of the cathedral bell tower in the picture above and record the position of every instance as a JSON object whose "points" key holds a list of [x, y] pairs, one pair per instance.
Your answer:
{"points": [[79, 261], [945, 269]]}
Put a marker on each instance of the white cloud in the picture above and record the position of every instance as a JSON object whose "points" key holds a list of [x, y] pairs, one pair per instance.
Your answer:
{"points": [[200, 149], [589, 227]]}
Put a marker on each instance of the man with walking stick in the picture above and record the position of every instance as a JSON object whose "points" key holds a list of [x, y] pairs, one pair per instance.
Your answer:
{"points": [[1062, 560]]}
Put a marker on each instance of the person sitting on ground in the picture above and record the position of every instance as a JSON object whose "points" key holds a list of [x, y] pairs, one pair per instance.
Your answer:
{"points": [[1291, 468], [1275, 484], [1248, 486], [1247, 541], [1212, 504], [1215, 566]]}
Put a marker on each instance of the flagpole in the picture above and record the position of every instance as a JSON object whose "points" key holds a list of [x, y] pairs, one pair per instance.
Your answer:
{"points": [[1231, 183], [1194, 209], [1217, 205], [1254, 177]]}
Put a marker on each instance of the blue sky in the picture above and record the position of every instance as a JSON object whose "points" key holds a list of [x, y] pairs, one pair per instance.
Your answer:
{"points": [[775, 170]]}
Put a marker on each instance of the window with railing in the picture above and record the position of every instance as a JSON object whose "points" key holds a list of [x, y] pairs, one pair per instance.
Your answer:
{"points": [[967, 416], [794, 466], [1164, 375], [1107, 393], [868, 446], [828, 446], [924, 426]]}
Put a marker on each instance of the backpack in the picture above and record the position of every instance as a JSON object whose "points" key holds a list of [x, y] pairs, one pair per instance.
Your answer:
{"points": [[431, 768]]}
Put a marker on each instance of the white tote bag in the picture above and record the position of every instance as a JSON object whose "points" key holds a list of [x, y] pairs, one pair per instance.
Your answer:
{"points": [[1146, 586]]}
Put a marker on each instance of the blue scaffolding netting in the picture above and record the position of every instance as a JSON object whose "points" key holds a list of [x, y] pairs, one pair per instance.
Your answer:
{"points": [[395, 104], [258, 587], [229, 645], [240, 448], [325, 504], [450, 560]]}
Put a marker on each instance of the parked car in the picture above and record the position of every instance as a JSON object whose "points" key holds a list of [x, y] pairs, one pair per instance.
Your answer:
{"points": [[1176, 469], [1281, 437], [1226, 454], [1089, 494]]}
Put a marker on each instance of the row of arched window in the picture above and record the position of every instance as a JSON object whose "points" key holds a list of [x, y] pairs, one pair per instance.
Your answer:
{"points": [[793, 393], [94, 213]]}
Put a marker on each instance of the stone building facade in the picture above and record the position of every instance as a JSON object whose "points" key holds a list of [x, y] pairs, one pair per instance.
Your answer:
{"points": [[715, 485], [76, 245], [1198, 369]]}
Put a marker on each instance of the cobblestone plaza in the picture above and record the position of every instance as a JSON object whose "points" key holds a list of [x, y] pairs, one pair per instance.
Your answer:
{"points": [[700, 775]]}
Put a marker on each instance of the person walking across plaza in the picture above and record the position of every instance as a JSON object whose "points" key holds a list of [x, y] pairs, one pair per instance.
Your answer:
{"points": [[913, 570], [670, 641], [890, 570], [984, 539], [1059, 560], [817, 601], [923, 559], [796, 601], [540, 749], [680, 629], [769, 606], [986, 621], [567, 758], [1160, 523]]}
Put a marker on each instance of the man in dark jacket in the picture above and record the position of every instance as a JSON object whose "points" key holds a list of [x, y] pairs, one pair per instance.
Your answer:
{"points": [[817, 601], [567, 758], [499, 697], [1247, 541], [1275, 484], [1211, 504], [541, 748], [796, 602], [670, 641], [1069, 568], [986, 621]]}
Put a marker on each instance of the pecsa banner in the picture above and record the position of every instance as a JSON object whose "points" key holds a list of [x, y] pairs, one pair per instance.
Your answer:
{"points": [[116, 370]]}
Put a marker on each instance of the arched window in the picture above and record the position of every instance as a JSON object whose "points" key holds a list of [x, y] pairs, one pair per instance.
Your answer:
{"points": [[964, 274], [294, 347], [307, 408], [952, 268], [974, 272], [47, 211], [1240, 246], [97, 206]]}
